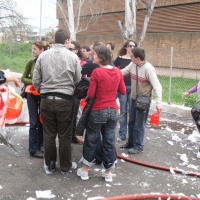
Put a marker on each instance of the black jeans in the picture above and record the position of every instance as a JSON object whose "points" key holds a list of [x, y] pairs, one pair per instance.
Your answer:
{"points": [[58, 118], [36, 129]]}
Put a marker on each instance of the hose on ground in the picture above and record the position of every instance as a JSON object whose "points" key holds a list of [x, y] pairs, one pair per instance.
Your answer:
{"points": [[157, 166], [150, 196]]}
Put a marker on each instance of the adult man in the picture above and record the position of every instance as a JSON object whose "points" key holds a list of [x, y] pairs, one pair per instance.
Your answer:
{"points": [[86, 52], [55, 75], [111, 47], [147, 80]]}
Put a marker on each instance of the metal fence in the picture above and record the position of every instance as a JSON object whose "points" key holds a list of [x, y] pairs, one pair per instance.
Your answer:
{"points": [[15, 56], [177, 69]]}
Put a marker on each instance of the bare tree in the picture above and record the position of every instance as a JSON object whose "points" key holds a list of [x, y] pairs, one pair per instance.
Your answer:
{"points": [[11, 21], [8, 14], [78, 15], [128, 28]]}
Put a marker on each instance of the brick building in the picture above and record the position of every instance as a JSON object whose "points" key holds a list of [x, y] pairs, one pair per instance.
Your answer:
{"points": [[174, 23]]}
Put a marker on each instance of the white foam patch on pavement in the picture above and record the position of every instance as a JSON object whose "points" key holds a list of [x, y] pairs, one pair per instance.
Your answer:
{"points": [[194, 137], [95, 198], [46, 194], [170, 142], [176, 138]]}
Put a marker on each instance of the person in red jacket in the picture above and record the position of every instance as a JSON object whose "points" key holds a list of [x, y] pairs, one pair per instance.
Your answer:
{"points": [[105, 81]]}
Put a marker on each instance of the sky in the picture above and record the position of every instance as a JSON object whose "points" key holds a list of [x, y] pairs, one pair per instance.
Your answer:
{"points": [[31, 10]]}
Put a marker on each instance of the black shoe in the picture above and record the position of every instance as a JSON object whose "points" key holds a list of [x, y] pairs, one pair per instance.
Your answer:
{"points": [[126, 146], [135, 151], [37, 154]]}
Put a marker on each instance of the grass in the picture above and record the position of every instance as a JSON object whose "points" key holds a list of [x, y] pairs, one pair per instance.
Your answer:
{"points": [[178, 86], [15, 56], [21, 54]]}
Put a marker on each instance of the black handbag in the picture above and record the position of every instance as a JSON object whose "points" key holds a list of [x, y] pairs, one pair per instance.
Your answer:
{"points": [[141, 101], [23, 94], [82, 88]]}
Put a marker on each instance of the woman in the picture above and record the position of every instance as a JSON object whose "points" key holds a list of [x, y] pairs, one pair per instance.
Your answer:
{"points": [[76, 48], [124, 59], [105, 81], [35, 130]]}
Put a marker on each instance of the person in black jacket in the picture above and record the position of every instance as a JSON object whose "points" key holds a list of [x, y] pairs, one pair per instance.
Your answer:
{"points": [[89, 66]]}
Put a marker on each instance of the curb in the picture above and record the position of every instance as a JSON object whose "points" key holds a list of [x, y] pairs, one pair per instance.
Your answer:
{"points": [[173, 109]]}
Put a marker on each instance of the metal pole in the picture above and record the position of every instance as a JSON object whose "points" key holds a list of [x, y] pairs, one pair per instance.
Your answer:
{"points": [[170, 76], [40, 19], [10, 57]]}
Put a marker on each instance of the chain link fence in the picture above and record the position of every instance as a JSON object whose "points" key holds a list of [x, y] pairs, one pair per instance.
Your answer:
{"points": [[15, 56], [178, 71]]}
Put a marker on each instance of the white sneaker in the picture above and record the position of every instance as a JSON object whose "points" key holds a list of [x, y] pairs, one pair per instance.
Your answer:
{"points": [[74, 166], [108, 177], [198, 154], [84, 175], [49, 170]]}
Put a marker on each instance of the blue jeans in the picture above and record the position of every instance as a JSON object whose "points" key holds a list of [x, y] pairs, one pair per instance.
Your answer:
{"points": [[136, 126], [100, 122], [123, 120], [36, 129]]}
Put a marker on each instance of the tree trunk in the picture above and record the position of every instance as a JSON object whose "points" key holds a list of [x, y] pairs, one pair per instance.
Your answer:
{"points": [[146, 21], [71, 19], [130, 19], [128, 28]]}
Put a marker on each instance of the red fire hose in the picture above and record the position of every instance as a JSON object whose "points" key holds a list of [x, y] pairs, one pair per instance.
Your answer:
{"points": [[150, 196], [157, 166], [18, 123]]}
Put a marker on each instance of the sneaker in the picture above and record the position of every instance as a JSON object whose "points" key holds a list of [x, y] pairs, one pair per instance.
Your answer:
{"points": [[51, 168], [74, 166], [84, 175], [198, 154], [116, 161], [108, 177], [119, 139], [37, 154], [126, 146], [135, 151]]}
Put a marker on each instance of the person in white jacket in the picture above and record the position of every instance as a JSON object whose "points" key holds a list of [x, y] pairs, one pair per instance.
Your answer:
{"points": [[147, 81]]}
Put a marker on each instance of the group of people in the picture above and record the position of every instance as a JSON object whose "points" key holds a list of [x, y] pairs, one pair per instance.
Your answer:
{"points": [[56, 71]]}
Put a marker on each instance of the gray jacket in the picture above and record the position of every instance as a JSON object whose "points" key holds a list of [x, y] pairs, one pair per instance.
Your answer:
{"points": [[57, 70]]}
